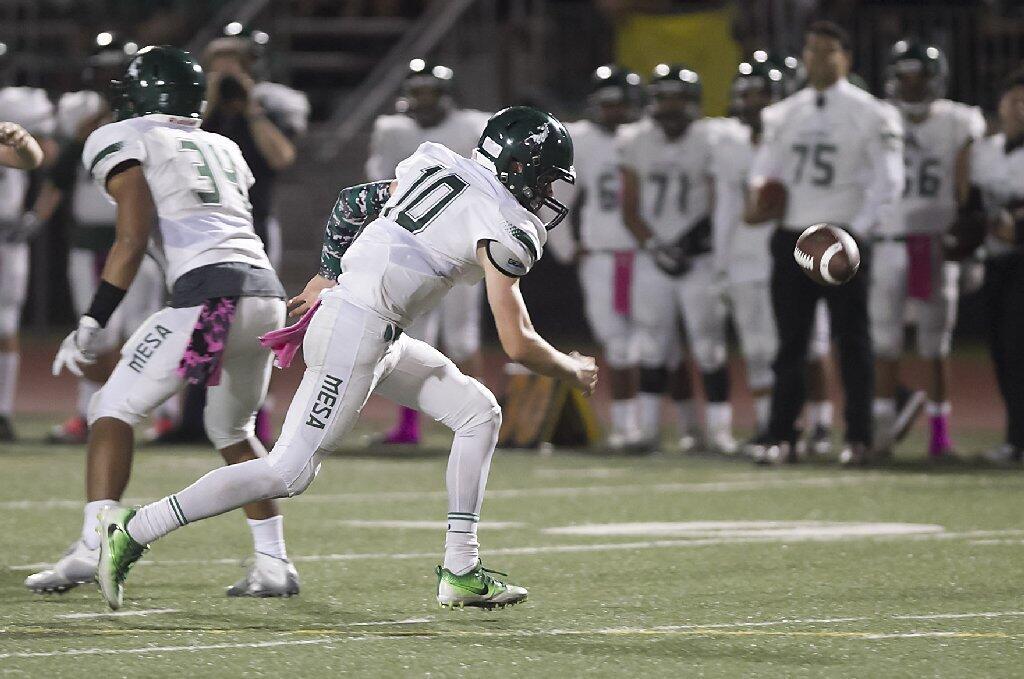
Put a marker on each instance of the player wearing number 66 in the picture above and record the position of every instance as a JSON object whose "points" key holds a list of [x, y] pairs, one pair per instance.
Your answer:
{"points": [[838, 152], [392, 250], [182, 194]]}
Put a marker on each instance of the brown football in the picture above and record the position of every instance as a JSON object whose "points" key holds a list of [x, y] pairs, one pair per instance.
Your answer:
{"points": [[827, 254], [769, 203]]}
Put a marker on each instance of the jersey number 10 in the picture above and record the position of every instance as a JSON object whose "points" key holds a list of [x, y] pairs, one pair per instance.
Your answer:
{"points": [[420, 205]]}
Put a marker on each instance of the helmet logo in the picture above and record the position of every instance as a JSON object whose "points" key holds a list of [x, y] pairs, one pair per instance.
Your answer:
{"points": [[537, 138]]}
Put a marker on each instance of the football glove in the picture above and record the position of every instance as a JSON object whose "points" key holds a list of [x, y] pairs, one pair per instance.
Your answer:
{"points": [[78, 348], [671, 259]]}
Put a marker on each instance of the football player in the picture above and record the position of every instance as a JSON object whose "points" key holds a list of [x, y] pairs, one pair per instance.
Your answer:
{"points": [[742, 256], [427, 111], [665, 161], [606, 251], [78, 114], [445, 221], [183, 192], [26, 111], [911, 272]]}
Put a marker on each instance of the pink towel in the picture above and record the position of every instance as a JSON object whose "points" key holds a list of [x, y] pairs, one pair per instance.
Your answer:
{"points": [[623, 282], [919, 266], [285, 342]]}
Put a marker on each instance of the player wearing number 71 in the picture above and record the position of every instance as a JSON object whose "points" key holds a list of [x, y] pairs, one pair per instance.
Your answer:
{"points": [[445, 220]]}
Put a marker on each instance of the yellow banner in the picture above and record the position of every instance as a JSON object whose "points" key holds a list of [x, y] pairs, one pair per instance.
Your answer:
{"points": [[703, 40]]}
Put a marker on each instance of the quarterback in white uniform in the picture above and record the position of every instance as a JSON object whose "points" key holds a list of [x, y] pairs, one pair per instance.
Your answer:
{"points": [[911, 273], [444, 221], [183, 192], [427, 112], [665, 161], [26, 112], [606, 251], [92, 217]]}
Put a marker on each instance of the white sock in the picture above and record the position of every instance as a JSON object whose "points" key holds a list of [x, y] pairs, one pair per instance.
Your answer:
{"points": [[762, 411], [686, 415], [461, 548], [719, 418], [933, 409], [268, 536], [8, 381], [649, 414], [219, 491], [820, 414], [86, 388], [90, 520], [624, 415]]}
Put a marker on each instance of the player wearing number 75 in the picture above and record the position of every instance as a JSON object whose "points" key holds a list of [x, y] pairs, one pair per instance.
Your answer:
{"points": [[391, 251], [182, 194]]}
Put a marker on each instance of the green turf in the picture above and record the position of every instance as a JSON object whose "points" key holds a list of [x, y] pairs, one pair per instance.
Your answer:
{"points": [[684, 606]]}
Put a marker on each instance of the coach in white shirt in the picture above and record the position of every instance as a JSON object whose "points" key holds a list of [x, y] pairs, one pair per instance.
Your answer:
{"points": [[839, 152]]}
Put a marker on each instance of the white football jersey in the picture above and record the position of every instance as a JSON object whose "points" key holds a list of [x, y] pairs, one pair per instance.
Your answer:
{"points": [[674, 174], [930, 150], [426, 238], [32, 109], [200, 185], [396, 137], [839, 153], [1000, 176], [597, 175], [89, 205], [740, 250]]}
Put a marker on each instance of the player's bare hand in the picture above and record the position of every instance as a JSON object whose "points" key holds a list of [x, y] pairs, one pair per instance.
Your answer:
{"points": [[13, 135], [301, 303], [585, 372]]}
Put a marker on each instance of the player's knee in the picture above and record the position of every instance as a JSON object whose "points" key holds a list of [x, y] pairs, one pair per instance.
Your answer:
{"points": [[933, 344], [710, 355], [618, 352], [484, 413], [9, 315], [759, 372], [109, 402], [887, 341], [223, 434], [294, 469], [652, 348]]}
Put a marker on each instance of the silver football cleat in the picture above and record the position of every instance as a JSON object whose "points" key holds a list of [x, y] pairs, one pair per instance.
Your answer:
{"points": [[267, 576], [76, 567]]}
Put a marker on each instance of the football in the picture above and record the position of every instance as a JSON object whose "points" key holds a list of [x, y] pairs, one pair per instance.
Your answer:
{"points": [[827, 254]]}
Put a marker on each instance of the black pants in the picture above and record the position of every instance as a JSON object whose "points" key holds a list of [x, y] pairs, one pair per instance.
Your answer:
{"points": [[794, 298], [1004, 299]]}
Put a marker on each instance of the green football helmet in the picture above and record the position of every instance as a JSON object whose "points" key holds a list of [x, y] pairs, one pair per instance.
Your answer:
{"points": [[160, 80], [674, 96], [911, 58], [528, 150], [759, 81]]}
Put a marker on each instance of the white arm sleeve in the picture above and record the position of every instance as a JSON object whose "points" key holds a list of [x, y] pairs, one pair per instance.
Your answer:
{"points": [[885, 153]]}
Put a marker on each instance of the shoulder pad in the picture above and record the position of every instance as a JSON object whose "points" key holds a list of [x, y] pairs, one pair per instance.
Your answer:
{"points": [[73, 108], [505, 260]]}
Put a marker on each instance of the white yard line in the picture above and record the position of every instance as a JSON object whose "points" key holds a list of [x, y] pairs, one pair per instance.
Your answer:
{"points": [[959, 616], [558, 549], [117, 614], [168, 649]]}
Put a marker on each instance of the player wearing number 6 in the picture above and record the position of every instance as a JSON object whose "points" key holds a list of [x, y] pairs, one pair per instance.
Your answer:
{"points": [[399, 247], [183, 193]]}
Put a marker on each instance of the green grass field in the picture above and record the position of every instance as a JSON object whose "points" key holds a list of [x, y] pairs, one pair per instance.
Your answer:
{"points": [[723, 570]]}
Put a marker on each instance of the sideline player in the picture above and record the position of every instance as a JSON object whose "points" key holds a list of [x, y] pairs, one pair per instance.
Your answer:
{"points": [[665, 161], [27, 112], [911, 273], [159, 167], [445, 220], [606, 250], [92, 216], [427, 111]]}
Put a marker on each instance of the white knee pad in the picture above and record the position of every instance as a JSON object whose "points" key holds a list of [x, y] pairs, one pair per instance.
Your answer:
{"points": [[709, 354], [9, 317], [759, 372], [296, 469], [619, 352], [223, 434], [934, 342], [481, 412], [887, 339], [112, 402], [655, 347]]}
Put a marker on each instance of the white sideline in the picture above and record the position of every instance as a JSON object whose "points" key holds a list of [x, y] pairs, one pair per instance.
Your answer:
{"points": [[659, 629]]}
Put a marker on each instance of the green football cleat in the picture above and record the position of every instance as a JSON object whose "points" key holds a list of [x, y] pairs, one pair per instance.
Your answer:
{"points": [[118, 553], [477, 588]]}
